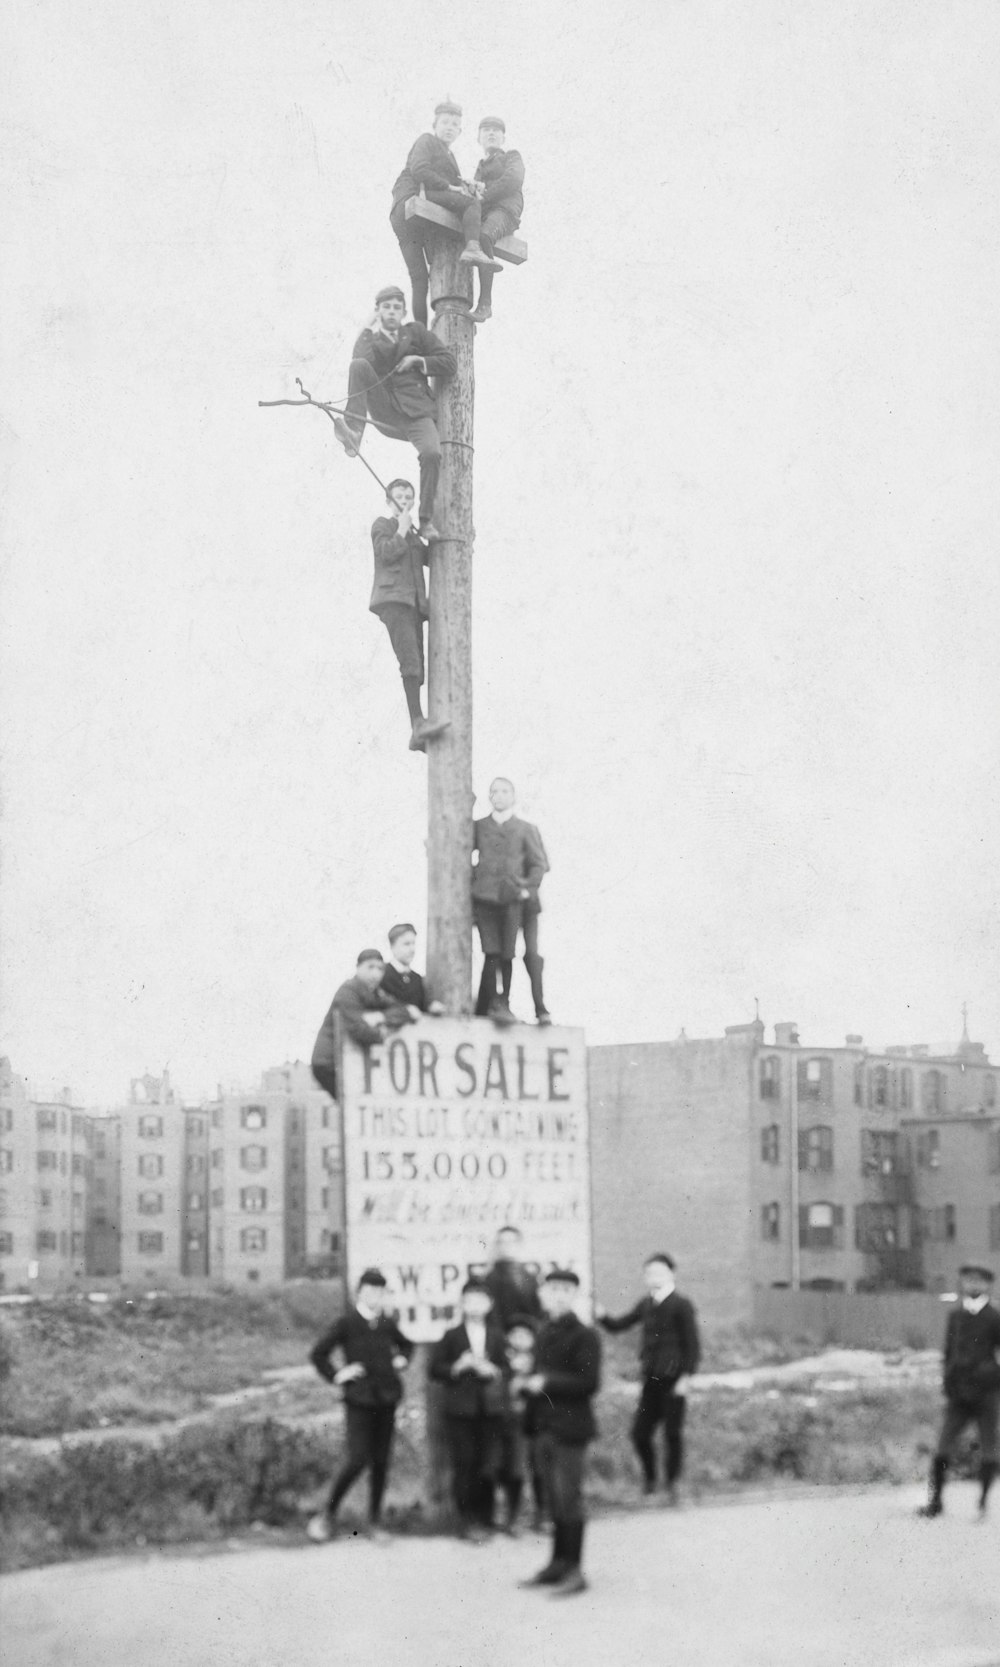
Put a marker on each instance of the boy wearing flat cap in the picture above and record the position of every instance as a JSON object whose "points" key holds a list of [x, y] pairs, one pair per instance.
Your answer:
{"points": [[388, 386], [971, 1384], [399, 599], [500, 175], [471, 1361], [399, 981], [565, 1378], [362, 1010], [430, 167], [373, 1353]]}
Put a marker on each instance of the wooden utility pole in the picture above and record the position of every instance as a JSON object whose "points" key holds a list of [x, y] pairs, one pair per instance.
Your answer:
{"points": [[449, 759]]}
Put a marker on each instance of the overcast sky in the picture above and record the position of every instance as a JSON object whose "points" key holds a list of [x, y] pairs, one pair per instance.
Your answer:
{"points": [[736, 577]]}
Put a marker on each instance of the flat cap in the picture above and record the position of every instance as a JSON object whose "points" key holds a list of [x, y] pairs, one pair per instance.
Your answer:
{"points": [[391, 292]]}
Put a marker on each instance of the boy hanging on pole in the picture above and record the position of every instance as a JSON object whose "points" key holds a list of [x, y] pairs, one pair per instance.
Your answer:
{"points": [[399, 598]]}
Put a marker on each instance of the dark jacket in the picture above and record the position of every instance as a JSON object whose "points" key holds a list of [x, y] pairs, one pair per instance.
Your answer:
{"points": [[399, 567], [347, 1010], [971, 1370], [372, 1345], [407, 988], [503, 176], [511, 859], [468, 1395], [430, 164], [402, 399], [670, 1346], [514, 1291], [568, 1353]]}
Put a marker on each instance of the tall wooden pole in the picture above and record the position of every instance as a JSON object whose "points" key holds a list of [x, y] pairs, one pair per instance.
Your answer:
{"points": [[449, 759]]}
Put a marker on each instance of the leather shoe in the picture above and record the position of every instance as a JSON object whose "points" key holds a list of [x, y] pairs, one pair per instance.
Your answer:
{"points": [[429, 533], [549, 1576], [570, 1584], [481, 314]]}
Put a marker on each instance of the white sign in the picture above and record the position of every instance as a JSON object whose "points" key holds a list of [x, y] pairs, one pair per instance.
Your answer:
{"points": [[454, 1128]]}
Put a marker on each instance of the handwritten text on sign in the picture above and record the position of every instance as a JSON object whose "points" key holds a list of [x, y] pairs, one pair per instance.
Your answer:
{"points": [[453, 1129]]}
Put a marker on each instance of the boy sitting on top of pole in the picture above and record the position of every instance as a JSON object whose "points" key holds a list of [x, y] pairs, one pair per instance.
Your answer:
{"points": [[387, 386], [431, 168], [500, 178]]}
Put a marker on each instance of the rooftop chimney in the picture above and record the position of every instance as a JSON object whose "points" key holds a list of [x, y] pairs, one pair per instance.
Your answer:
{"points": [[786, 1035], [854, 1041]]}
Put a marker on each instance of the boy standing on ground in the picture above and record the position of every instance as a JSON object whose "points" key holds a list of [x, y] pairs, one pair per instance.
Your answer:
{"points": [[362, 1010], [399, 598], [430, 167], [971, 1384], [520, 1426], [669, 1352], [501, 176], [399, 980], [566, 1376], [512, 1286], [505, 882], [373, 1352], [388, 386], [471, 1361]]}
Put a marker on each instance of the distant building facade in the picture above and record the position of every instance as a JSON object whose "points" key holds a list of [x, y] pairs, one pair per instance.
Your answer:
{"points": [[783, 1165]]}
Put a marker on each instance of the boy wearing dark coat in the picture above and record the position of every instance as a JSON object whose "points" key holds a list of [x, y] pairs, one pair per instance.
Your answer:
{"points": [[565, 1378], [471, 1361], [971, 1385], [373, 1352], [399, 599], [669, 1353], [431, 168], [360, 1009], [388, 386], [501, 177], [399, 980], [505, 881], [512, 1286]]}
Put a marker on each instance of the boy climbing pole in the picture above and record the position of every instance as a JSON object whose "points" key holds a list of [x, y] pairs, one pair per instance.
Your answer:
{"points": [[431, 168], [505, 882], [399, 598], [500, 176], [388, 386]]}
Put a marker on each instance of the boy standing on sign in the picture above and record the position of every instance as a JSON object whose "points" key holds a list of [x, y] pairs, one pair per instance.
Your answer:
{"points": [[566, 1377], [500, 176], [362, 1010], [388, 386], [373, 1353], [471, 1361], [399, 980], [399, 598], [505, 881]]}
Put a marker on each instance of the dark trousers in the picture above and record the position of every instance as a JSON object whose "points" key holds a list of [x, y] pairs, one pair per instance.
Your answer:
{"points": [[659, 1405], [326, 1076], [406, 633], [420, 431], [562, 1477], [410, 236], [474, 1445], [986, 1417], [369, 1445]]}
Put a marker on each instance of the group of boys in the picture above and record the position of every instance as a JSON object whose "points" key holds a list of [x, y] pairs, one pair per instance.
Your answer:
{"points": [[518, 1374], [392, 363]]}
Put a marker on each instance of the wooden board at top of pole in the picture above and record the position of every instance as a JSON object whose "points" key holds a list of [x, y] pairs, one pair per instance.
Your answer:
{"points": [[512, 249]]}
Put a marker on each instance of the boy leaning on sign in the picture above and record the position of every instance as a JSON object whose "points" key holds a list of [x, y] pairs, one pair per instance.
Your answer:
{"points": [[373, 1352], [362, 1009]]}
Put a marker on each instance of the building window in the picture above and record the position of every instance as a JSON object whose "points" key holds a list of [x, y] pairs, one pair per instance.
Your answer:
{"points": [[100, 1146], [44, 1198], [196, 1200], [816, 1148], [6, 1244], [47, 1160], [79, 1165], [324, 1199], [217, 1158], [218, 1198], [253, 1117], [150, 1203], [989, 1092], [150, 1165], [770, 1077], [821, 1226], [939, 1224], [331, 1159], [195, 1164], [150, 1128], [770, 1223], [875, 1227], [3, 1204], [150, 1244], [879, 1152], [6, 1118], [253, 1157], [46, 1118], [196, 1125], [6, 1162], [994, 1151], [45, 1239], [879, 1084], [253, 1198], [770, 1144], [859, 1083], [994, 1227], [77, 1244], [326, 1117], [934, 1091], [814, 1079], [295, 1201], [253, 1239], [217, 1117], [194, 1241], [929, 1148]]}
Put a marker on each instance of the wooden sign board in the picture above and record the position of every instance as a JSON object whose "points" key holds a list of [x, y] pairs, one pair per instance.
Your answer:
{"points": [[454, 1128]]}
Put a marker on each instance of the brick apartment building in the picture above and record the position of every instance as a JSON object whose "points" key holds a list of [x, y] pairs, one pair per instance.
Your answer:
{"points": [[781, 1165], [44, 1184]]}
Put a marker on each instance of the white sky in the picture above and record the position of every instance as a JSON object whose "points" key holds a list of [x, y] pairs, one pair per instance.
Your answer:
{"points": [[737, 591]]}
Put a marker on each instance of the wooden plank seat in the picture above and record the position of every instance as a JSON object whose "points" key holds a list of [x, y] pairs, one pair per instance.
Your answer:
{"points": [[512, 249]]}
